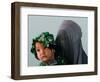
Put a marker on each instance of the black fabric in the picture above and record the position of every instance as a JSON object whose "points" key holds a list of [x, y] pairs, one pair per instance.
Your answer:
{"points": [[68, 42]]}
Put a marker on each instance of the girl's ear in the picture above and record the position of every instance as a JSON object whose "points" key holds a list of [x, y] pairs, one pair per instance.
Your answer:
{"points": [[53, 50]]}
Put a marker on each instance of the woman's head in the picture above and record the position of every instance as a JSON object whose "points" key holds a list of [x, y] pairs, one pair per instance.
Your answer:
{"points": [[43, 47]]}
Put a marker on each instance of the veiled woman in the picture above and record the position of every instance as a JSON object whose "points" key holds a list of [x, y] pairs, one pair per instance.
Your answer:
{"points": [[69, 48]]}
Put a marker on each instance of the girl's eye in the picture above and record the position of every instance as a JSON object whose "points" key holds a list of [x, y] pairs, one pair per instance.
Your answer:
{"points": [[38, 50]]}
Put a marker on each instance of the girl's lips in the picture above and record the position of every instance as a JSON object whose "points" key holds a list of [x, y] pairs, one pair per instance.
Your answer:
{"points": [[43, 56]]}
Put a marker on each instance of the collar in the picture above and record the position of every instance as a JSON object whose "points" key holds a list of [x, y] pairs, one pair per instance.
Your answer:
{"points": [[50, 63]]}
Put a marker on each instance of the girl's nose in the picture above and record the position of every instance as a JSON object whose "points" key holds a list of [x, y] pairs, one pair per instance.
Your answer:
{"points": [[42, 51]]}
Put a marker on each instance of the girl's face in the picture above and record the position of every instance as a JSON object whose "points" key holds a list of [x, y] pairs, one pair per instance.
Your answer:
{"points": [[44, 54]]}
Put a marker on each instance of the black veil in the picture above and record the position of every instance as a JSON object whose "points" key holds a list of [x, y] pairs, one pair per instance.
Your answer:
{"points": [[69, 48]]}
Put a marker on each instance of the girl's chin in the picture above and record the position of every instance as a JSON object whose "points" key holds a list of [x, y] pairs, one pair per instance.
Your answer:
{"points": [[44, 60]]}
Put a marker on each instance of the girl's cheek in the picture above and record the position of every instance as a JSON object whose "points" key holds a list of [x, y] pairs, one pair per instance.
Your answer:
{"points": [[38, 56]]}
